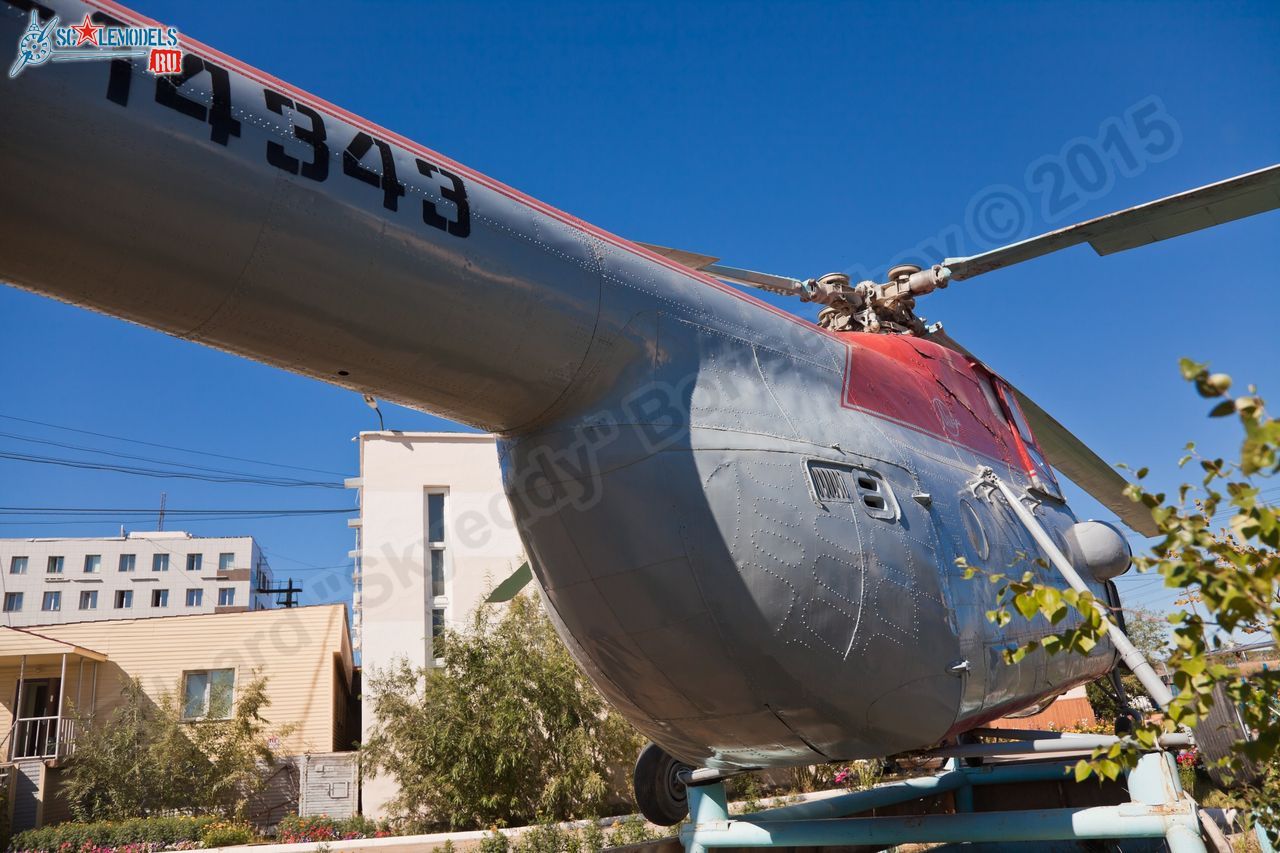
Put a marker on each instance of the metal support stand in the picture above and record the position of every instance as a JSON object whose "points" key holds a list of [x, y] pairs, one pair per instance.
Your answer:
{"points": [[1158, 808], [1264, 843], [1158, 811]]}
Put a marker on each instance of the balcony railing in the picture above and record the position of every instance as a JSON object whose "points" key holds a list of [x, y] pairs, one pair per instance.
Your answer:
{"points": [[42, 737]]}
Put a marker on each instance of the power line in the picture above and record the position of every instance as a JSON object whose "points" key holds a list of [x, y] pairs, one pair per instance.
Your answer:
{"points": [[247, 479], [116, 519], [88, 515], [67, 510], [1226, 509], [306, 569], [1139, 576], [170, 446], [1143, 592], [276, 555], [118, 455]]}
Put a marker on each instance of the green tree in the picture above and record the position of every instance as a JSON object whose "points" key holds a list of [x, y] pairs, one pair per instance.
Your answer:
{"points": [[237, 757], [508, 731], [1219, 539], [145, 759], [109, 776], [1149, 632]]}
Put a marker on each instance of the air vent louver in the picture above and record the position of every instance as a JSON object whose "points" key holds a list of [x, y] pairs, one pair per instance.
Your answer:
{"points": [[835, 484]]}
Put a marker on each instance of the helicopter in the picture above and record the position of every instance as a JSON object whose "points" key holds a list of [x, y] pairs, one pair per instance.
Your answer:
{"points": [[745, 525]]}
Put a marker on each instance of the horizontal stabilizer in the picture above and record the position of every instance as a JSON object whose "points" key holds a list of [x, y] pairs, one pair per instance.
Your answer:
{"points": [[511, 587]]}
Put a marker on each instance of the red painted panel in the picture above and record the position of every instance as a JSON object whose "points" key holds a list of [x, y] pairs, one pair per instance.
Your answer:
{"points": [[927, 387]]}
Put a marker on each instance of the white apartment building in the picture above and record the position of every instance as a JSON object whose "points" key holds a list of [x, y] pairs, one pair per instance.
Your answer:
{"points": [[434, 535], [164, 573]]}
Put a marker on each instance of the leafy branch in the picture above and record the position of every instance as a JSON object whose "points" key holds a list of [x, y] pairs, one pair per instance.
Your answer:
{"points": [[1218, 537]]}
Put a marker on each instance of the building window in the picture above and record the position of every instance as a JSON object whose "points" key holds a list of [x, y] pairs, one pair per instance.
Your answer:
{"points": [[208, 694], [159, 598], [195, 597], [159, 562], [194, 562], [128, 562], [124, 599], [54, 566], [226, 562], [89, 599], [435, 518], [437, 572], [226, 596], [52, 601], [18, 566], [92, 563], [12, 602], [435, 548]]}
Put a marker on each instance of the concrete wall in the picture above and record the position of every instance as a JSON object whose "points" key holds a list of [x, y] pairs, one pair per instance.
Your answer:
{"points": [[249, 567], [393, 581]]}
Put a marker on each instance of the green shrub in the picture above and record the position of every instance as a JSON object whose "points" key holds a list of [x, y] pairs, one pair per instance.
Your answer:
{"points": [[226, 834], [507, 732], [593, 838], [495, 842], [146, 759], [161, 831], [547, 838], [631, 830]]}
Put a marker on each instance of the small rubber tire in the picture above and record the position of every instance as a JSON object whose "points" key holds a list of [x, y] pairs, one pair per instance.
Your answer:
{"points": [[1125, 724], [1216, 738], [964, 739], [660, 794]]}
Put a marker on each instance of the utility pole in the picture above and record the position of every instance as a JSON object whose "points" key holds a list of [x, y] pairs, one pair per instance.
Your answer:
{"points": [[286, 596], [160, 520]]}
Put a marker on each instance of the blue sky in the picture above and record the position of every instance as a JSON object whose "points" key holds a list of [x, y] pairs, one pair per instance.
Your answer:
{"points": [[798, 138]]}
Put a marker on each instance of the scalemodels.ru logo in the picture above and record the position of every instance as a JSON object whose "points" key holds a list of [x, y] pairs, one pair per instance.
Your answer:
{"points": [[87, 40]]}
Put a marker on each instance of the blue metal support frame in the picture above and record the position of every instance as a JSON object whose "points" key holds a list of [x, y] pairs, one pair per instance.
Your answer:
{"points": [[1260, 823], [1158, 810]]}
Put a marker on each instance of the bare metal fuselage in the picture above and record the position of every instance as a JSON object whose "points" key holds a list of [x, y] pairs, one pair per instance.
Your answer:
{"points": [[660, 429]]}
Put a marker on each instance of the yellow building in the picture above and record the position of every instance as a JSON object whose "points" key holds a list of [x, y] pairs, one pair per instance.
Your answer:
{"points": [[54, 677]]}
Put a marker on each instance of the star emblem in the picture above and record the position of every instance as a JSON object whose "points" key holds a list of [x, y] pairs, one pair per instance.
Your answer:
{"points": [[87, 32]]}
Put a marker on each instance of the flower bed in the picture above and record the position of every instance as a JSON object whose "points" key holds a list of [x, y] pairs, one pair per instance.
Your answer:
{"points": [[140, 835], [294, 829]]}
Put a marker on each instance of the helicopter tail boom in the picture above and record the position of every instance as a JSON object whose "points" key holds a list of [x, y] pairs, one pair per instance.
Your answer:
{"points": [[223, 207]]}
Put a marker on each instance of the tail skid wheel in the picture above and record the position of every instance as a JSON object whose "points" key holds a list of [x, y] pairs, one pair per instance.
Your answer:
{"points": [[659, 792]]}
